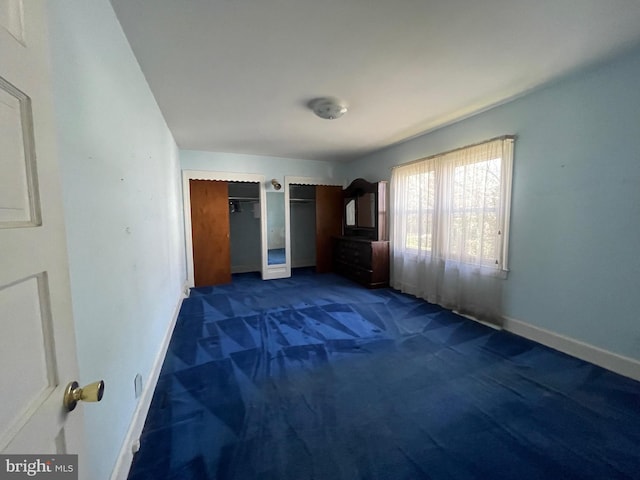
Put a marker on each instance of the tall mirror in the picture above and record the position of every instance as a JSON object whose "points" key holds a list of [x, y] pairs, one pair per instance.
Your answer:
{"points": [[366, 210], [275, 257], [350, 213], [276, 254]]}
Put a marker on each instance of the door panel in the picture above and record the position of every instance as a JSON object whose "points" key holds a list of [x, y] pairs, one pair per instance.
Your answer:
{"points": [[18, 201], [37, 345], [210, 232], [11, 18], [328, 224], [22, 306]]}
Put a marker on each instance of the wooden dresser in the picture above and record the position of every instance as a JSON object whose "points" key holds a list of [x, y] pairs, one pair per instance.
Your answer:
{"points": [[362, 252], [364, 261]]}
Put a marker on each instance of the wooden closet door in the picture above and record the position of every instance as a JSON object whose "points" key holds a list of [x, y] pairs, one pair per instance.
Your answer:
{"points": [[329, 207], [210, 232]]}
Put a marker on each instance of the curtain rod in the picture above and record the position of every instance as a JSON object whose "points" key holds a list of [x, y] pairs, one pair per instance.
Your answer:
{"points": [[502, 137]]}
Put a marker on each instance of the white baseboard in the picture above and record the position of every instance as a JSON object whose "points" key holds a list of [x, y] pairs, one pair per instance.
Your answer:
{"points": [[257, 268], [123, 464], [626, 366], [303, 263]]}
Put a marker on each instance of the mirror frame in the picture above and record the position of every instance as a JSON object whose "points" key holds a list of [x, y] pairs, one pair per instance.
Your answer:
{"points": [[356, 189], [279, 270]]}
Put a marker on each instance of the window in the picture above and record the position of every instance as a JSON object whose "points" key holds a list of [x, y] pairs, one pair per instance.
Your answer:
{"points": [[450, 226], [454, 206]]}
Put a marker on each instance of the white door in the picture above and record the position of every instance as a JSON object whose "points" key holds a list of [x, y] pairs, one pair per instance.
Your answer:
{"points": [[37, 343]]}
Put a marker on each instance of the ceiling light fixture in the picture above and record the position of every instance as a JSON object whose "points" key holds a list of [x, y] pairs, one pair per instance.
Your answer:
{"points": [[328, 108]]}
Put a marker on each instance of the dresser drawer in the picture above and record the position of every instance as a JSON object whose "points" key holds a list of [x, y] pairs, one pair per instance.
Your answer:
{"points": [[365, 261], [355, 253]]}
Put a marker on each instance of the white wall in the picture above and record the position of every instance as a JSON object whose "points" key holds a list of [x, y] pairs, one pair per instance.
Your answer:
{"points": [[122, 197], [574, 251]]}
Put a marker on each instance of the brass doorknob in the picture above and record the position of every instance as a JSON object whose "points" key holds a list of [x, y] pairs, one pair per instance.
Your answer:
{"points": [[89, 393]]}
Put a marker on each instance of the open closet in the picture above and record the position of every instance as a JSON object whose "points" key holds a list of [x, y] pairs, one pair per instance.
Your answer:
{"points": [[244, 227], [302, 211], [314, 218], [225, 229], [240, 222]]}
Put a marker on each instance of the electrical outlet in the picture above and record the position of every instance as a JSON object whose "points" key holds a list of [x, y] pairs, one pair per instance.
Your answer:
{"points": [[137, 385], [135, 446]]}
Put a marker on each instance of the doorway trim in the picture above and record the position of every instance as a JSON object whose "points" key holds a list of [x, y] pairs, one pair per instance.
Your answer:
{"points": [[186, 202]]}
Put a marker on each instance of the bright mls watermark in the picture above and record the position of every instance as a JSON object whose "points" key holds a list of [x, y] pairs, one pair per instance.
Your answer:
{"points": [[52, 467]]}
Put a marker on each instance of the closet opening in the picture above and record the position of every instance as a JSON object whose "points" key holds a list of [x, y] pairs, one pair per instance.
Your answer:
{"points": [[244, 227], [314, 220], [224, 222], [302, 211]]}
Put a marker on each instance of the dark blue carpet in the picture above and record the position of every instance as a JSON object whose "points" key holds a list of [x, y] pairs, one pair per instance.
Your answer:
{"points": [[314, 377]]}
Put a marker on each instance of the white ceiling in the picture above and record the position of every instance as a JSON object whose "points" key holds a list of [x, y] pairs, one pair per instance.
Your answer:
{"points": [[236, 75]]}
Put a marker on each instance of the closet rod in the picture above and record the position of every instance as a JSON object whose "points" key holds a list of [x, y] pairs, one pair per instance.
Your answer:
{"points": [[243, 199]]}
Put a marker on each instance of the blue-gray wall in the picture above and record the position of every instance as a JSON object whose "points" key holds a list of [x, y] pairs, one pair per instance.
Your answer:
{"points": [[244, 228], [575, 220], [303, 234], [244, 234], [121, 191]]}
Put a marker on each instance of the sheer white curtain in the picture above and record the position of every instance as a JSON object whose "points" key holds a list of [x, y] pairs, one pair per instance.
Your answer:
{"points": [[449, 227]]}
